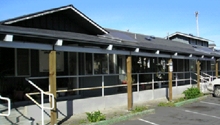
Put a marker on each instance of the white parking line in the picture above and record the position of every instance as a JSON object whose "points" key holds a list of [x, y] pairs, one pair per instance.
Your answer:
{"points": [[202, 114], [210, 103], [148, 122]]}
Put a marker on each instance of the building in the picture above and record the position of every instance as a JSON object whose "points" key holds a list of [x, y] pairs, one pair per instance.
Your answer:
{"points": [[87, 65]]}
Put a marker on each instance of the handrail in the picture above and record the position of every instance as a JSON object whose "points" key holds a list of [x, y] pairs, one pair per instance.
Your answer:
{"points": [[42, 99], [9, 106], [209, 76]]}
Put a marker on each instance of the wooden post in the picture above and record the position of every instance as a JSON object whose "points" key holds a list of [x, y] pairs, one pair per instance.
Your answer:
{"points": [[216, 69], [129, 83], [198, 73], [53, 85], [170, 79]]}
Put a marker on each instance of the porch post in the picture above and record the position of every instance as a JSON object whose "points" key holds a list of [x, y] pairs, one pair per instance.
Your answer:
{"points": [[129, 83], [198, 73], [216, 69], [170, 80], [53, 86]]}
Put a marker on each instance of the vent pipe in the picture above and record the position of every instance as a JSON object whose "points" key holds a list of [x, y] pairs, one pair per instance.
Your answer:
{"points": [[197, 22]]}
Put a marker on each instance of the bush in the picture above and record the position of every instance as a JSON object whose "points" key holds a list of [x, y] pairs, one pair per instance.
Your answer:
{"points": [[95, 116], [191, 93]]}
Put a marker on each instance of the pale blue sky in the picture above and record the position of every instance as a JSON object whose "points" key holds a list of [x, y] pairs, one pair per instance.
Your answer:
{"points": [[149, 17]]}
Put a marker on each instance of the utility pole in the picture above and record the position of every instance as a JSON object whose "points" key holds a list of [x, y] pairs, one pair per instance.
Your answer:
{"points": [[197, 22]]}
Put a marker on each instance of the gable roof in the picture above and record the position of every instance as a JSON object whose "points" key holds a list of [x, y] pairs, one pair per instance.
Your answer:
{"points": [[72, 12], [189, 36]]}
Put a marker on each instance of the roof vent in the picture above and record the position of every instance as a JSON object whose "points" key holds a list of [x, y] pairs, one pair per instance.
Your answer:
{"points": [[152, 37], [191, 34], [194, 46], [148, 38]]}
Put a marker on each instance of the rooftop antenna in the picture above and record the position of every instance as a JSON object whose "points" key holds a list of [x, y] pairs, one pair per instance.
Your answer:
{"points": [[197, 22]]}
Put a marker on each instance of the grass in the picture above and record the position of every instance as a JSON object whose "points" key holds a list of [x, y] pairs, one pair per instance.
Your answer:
{"points": [[166, 104], [139, 109], [172, 104]]}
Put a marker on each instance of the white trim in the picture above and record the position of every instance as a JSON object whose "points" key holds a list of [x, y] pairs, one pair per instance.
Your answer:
{"points": [[88, 20], [53, 11]]}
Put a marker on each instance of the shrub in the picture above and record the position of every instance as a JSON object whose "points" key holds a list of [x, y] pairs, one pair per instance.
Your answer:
{"points": [[191, 93], [95, 116]]}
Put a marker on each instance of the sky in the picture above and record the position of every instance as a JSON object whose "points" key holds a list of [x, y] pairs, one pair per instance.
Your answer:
{"points": [[151, 17]]}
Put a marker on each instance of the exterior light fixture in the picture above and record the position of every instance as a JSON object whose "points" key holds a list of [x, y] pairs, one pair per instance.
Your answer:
{"points": [[157, 52], [8, 38], [137, 50], [175, 54], [109, 47], [59, 42]]}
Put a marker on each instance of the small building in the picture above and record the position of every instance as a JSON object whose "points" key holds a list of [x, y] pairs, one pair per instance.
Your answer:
{"points": [[91, 62]]}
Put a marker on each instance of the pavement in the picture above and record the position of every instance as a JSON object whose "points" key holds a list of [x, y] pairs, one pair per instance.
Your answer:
{"points": [[201, 112], [114, 114]]}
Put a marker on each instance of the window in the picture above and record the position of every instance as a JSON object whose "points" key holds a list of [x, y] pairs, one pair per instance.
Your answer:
{"points": [[199, 43], [192, 42]]}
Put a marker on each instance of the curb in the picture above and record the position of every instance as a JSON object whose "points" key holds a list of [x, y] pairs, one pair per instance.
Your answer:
{"points": [[178, 104], [122, 118]]}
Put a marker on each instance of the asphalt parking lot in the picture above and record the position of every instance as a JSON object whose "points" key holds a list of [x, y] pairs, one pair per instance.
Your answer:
{"points": [[204, 112]]}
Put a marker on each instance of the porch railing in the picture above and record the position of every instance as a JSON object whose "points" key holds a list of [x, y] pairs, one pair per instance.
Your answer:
{"points": [[42, 99], [9, 105], [176, 80]]}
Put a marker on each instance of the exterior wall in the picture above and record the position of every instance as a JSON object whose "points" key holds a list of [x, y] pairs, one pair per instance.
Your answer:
{"points": [[181, 39], [186, 40], [71, 107]]}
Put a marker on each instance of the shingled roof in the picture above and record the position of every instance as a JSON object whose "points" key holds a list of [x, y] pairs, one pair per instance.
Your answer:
{"points": [[25, 26]]}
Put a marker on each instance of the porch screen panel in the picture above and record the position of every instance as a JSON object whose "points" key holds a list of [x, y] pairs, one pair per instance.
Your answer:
{"points": [[7, 60], [89, 67], [23, 62], [112, 63], [100, 64]]}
